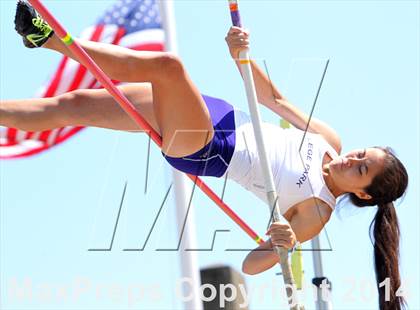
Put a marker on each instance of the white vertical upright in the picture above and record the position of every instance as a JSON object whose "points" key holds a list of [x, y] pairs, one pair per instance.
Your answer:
{"points": [[323, 301], [188, 259]]}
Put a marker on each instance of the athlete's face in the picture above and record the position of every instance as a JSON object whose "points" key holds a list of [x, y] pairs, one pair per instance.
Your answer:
{"points": [[355, 170]]}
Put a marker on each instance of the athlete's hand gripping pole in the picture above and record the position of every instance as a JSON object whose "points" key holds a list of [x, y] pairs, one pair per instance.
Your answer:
{"points": [[246, 70], [85, 60]]}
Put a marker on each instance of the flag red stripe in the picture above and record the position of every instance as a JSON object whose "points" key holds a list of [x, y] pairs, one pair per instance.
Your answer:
{"points": [[11, 135], [29, 134], [118, 36], [57, 137], [45, 147], [44, 136], [56, 79]]}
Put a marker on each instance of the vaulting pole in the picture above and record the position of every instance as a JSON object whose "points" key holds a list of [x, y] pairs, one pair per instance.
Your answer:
{"points": [[272, 197], [86, 61]]}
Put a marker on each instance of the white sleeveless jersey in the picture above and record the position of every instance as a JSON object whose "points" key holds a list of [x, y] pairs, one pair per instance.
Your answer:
{"points": [[297, 176]]}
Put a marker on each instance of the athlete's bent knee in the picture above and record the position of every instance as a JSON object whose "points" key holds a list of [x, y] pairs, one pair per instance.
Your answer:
{"points": [[170, 66]]}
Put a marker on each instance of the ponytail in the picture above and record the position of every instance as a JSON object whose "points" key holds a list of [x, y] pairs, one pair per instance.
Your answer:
{"points": [[386, 235], [387, 186]]}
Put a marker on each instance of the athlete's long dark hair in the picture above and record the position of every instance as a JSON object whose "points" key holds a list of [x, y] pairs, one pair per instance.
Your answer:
{"points": [[389, 185]]}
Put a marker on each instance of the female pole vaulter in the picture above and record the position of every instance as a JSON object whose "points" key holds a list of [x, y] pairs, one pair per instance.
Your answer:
{"points": [[202, 135]]}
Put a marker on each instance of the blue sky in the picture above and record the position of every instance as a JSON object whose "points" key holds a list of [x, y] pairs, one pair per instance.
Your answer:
{"points": [[56, 206]]}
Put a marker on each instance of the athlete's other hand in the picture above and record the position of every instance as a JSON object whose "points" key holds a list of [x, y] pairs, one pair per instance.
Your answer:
{"points": [[238, 40], [282, 235]]}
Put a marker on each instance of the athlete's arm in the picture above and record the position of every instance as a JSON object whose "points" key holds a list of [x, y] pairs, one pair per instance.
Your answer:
{"points": [[305, 226], [260, 259], [269, 96]]}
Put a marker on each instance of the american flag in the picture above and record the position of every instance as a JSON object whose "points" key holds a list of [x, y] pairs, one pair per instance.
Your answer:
{"points": [[134, 24]]}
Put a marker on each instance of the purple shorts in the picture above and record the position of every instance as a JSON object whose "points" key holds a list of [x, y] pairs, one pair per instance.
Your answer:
{"points": [[213, 159]]}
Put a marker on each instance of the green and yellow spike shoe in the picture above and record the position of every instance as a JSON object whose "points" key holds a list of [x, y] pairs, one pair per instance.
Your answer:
{"points": [[29, 24]]}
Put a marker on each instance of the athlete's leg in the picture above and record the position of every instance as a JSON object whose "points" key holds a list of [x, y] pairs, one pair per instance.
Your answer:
{"points": [[180, 111], [96, 108], [177, 103], [119, 63]]}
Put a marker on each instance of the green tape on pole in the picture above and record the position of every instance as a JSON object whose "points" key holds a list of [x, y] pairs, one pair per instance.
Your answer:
{"points": [[67, 40]]}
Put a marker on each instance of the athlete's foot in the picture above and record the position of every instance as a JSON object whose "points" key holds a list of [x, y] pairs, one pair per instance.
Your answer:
{"points": [[29, 24]]}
